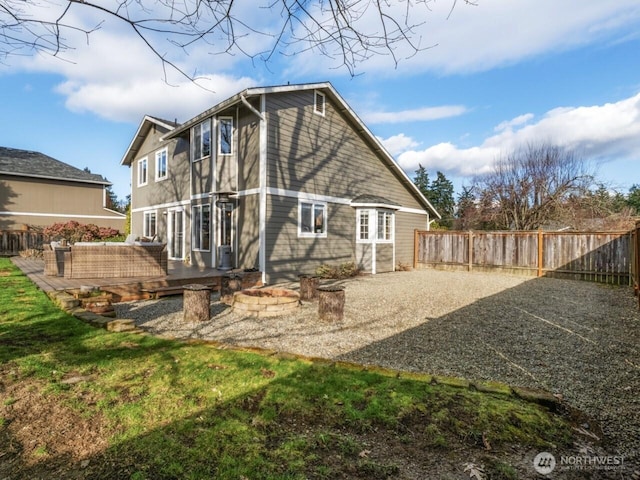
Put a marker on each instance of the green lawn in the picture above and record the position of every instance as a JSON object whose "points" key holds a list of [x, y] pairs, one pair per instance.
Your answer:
{"points": [[167, 409]]}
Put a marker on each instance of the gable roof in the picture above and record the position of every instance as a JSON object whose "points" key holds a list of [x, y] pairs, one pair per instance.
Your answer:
{"points": [[344, 108], [27, 163], [143, 130]]}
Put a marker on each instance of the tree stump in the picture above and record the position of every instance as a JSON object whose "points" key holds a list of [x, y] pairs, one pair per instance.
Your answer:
{"points": [[331, 303], [196, 303], [229, 284], [308, 287]]}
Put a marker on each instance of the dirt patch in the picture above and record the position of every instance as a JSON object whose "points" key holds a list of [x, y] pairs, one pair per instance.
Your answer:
{"points": [[42, 438]]}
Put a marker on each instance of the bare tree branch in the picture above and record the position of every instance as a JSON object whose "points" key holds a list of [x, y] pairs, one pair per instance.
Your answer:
{"points": [[532, 186], [349, 31]]}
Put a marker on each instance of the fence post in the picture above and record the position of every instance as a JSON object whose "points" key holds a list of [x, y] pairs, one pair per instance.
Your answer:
{"points": [[470, 250], [416, 238], [540, 252]]}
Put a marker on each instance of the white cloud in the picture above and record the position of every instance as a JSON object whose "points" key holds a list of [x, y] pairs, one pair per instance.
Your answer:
{"points": [[131, 100], [415, 115], [509, 124], [398, 144], [599, 132], [117, 77], [494, 33]]}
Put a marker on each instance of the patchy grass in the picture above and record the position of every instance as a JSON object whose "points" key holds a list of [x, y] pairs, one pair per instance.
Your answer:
{"points": [[75, 400]]}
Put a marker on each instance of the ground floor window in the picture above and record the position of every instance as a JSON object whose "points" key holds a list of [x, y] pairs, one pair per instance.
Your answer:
{"points": [[149, 226], [375, 224], [201, 222], [385, 225], [312, 219]]}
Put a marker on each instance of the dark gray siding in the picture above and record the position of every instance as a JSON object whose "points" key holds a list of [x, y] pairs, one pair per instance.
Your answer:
{"points": [[175, 187], [287, 255], [201, 176], [324, 154], [171, 191], [248, 150], [406, 223], [248, 231], [364, 256], [384, 258]]}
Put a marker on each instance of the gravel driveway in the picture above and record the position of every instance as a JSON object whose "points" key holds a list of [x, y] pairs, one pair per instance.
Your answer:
{"points": [[577, 339]]}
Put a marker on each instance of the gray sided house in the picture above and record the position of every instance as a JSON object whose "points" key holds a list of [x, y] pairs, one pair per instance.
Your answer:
{"points": [[37, 190], [281, 179]]}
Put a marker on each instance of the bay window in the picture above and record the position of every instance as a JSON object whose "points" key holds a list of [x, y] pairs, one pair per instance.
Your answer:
{"points": [[375, 225]]}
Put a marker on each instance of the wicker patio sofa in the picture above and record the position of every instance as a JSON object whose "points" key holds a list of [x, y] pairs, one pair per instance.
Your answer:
{"points": [[54, 259], [115, 260]]}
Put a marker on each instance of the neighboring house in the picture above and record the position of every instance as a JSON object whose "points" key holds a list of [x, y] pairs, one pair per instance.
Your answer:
{"points": [[281, 179], [37, 190]]}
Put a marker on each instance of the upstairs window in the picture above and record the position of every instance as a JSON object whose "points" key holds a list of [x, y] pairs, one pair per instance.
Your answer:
{"points": [[225, 135], [312, 219], [142, 172], [161, 164], [201, 144]]}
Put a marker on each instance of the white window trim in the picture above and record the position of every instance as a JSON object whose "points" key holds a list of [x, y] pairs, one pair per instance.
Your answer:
{"points": [[193, 143], [146, 163], [144, 223], [194, 209], [218, 129], [359, 214], [172, 231], [373, 225], [392, 219], [166, 167], [315, 103], [313, 204]]}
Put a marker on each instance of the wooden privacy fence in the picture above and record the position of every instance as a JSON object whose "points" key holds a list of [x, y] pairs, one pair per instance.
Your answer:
{"points": [[13, 241], [635, 260], [595, 256]]}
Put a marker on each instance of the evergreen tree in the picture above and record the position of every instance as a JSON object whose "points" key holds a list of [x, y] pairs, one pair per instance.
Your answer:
{"points": [[441, 197], [112, 200], [467, 209], [633, 198], [421, 180]]}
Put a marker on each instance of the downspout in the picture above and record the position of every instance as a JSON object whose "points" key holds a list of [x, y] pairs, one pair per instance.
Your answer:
{"points": [[429, 222], [262, 253]]}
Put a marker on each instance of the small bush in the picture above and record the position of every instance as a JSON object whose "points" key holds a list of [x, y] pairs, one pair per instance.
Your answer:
{"points": [[73, 231], [344, 270]]}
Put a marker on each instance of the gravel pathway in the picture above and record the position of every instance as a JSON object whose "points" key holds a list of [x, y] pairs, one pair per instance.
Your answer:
{"points": [[577, 339]]}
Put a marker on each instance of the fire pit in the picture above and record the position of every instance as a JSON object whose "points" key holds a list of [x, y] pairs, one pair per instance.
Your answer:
{"points": [[265, 302]]}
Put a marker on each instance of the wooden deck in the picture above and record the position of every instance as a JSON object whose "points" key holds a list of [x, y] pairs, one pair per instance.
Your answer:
{"points": [[135, 288]]}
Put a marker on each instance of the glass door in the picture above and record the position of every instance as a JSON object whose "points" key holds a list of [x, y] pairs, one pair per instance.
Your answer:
{"points": [[176, 234]]}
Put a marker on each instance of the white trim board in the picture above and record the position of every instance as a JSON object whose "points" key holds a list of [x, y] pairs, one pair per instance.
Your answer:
{"points": [[180, 203], [281, 192], [63, 215]]}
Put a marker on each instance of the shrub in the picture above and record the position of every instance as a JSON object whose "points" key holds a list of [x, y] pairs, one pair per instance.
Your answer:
{"points": [[344, 270], [73, 231]]}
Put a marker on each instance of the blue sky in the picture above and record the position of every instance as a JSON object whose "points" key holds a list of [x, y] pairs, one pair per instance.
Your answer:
{"points": [[500, 74]]}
